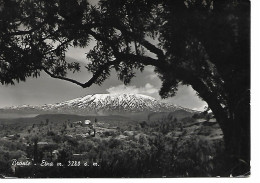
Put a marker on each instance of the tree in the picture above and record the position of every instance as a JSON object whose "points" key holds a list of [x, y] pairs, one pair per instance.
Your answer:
{"points": [[202, 43], [35, 140]]}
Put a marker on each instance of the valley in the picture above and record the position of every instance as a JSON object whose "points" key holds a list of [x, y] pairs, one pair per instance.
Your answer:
{"points": [[169, 147], [155, 140]]}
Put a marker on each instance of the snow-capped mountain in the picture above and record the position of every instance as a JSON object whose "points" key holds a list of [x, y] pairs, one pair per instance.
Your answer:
{"points": [[103, 104]]}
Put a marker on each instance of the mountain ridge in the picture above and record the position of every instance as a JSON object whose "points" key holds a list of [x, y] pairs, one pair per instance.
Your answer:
{"points": [[102, 104]]}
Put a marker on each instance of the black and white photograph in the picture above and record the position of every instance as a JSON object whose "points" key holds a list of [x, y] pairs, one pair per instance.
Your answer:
{"points": [[125, 89]]}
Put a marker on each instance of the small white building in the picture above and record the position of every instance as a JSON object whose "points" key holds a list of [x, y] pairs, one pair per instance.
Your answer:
{"points": [[87, 122]]}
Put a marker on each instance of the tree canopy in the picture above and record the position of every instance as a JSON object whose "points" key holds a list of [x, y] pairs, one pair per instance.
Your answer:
{"points": [[202, 43]]}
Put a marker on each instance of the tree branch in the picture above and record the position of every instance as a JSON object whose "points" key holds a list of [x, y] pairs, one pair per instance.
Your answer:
{"points": [[17, 33], [120, 57], [126, 56], [106, 40], [59, 46], [63, 78], [149, 46], [143, 59], [91, 81]]}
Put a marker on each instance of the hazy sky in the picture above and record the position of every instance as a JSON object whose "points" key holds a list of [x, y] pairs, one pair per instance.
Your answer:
{"points": [[44, 90]]}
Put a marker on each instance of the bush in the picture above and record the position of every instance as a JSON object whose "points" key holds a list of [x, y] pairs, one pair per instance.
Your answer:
{"points": [[114, 143], [50, 133]]}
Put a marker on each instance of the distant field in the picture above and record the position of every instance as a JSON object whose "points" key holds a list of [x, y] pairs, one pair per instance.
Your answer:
{"points": [[56, 118], [12, 118], [16, 115]]}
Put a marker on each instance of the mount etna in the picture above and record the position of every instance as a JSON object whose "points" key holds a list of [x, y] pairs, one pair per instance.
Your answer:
{"points": [[130, 105]]}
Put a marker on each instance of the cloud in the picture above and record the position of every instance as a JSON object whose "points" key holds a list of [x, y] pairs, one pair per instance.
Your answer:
{"points": [[187, 97], [150, 73], [201, 108], [148, 89], [152, 76]]}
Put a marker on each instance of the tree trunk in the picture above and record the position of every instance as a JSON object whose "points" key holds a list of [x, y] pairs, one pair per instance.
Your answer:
{"points": [[237, 142], [235, 126]]}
